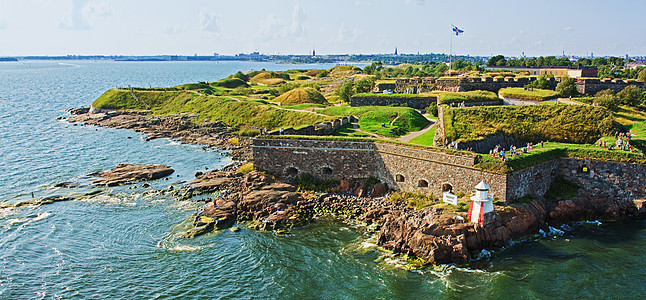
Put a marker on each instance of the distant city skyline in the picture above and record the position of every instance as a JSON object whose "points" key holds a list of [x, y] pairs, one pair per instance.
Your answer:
{"points": [[145, 27]]}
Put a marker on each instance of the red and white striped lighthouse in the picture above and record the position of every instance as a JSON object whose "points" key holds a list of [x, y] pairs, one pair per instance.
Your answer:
{"points": [[481, 204]]}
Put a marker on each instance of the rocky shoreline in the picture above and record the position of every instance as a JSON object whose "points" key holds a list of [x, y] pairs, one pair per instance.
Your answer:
{"points": [[181, 127], [432, 234]]}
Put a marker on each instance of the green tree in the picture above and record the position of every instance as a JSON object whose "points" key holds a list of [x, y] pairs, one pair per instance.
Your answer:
{"points": [[630, 95], [607, 99], [541, 83], [346, 90], [497, 60], [567, 86], [642, 75], [242, 76], [365, 85]]}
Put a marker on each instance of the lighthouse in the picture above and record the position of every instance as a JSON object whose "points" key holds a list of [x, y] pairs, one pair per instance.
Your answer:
{"points": [[481, 204]]}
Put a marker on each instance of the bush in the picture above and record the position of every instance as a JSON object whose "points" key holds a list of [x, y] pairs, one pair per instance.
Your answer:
{"points": [[346, 90], [630, 95], [244, 77], [307, 182], [246, 168], [567, 87], [303, 77]]}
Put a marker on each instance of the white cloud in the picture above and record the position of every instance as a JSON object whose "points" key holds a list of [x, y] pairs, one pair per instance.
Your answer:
{"points": [[343, 36], [82, 12], [208, 21], [175, 29], [298, 18], [361, 3], [75, 20], [416, 2], [275, 28], [567, 28], [98, 9]]}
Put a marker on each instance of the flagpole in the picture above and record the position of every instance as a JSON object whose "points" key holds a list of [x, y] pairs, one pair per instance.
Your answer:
{"points": [[450, 50]]}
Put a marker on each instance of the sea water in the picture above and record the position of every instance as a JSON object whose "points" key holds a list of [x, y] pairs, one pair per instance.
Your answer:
{"points": [[122, 243]]}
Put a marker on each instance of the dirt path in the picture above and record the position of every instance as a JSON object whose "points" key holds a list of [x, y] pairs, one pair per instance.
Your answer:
{"points": [[412, 135]]}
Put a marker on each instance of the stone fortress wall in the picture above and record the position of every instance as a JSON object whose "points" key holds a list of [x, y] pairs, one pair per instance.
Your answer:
{"points": [[417, 169], [588, 86]]}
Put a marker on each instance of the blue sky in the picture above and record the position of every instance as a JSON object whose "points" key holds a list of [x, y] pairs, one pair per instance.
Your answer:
{"points": [[146, 27]]}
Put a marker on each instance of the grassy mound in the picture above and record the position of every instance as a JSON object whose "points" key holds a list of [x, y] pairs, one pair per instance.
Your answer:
{"points": [[234, 113], [230, 83], [301, 96], [268, 78], [121, 99], [536, 94], [566, 123], [468, 97], [396, 121]]}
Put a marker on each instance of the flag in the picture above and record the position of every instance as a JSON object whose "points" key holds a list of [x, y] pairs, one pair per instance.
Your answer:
{"points": [[457, 30]]}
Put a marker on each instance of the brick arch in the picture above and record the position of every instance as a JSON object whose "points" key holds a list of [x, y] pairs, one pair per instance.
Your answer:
{"points": [[447, 187], [326, 170], [422, 183], [291, 171], [400, 178]]}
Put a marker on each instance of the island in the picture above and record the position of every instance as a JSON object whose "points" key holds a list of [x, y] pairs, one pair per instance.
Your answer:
{"points": [[410, 157]]}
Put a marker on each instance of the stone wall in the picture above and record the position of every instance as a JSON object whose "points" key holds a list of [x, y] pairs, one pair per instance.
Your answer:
{"points": [[426, 171], [400, 167], [319, 129], [618, 180], [591, 86], [421, 102]]}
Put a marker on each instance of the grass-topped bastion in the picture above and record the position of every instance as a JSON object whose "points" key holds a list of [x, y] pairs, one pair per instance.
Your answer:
{"points": [[564, 123], [529, 94]]}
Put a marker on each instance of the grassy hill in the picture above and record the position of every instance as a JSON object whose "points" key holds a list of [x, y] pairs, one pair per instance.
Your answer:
{"points": [[535, 94], [566, 123], [300, 96]]}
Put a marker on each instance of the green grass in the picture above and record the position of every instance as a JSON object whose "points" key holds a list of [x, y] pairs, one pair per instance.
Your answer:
{"points": [[564, 123], [425, 138], [401, 96], [396, 121], [305, 106], [536, 94], [234, 113], [468, 97], [552, 151], [347, 130]]}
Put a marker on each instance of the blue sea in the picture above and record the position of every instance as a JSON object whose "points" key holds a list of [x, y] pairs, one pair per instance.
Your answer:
{"points": [[122, 243]]}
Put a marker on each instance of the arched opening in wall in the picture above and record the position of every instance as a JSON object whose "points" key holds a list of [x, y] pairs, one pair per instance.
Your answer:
{"points": [[422, 183], [447, 188], [326, 171], [291, 171], [399, 178]]}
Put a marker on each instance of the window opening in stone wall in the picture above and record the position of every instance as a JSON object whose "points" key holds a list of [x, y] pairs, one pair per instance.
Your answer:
{"points": [[326, 171], [399, 178], [447, 188], [422, 183], [291, 171]]}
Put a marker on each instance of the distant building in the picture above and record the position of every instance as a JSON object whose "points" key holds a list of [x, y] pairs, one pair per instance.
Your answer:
{"points": [[574, 72], [634, 65]]}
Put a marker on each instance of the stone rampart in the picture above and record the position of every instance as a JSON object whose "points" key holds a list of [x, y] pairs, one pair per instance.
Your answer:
{"points": [[319, 129], [400, 167], [427, 171], [591, 86], [421, 102]]}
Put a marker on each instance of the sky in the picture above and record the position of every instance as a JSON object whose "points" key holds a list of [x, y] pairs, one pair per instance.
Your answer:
{"points": [[205, 27]]}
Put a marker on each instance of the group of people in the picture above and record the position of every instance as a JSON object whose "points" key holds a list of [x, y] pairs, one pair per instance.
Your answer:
{"points": [[460, 105], [622, 142], [499, 152]]}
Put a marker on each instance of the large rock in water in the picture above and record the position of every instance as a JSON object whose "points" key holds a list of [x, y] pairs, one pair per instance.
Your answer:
{"points": [[128, 173]]}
